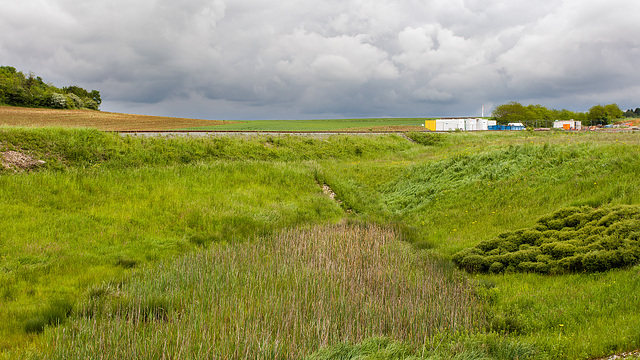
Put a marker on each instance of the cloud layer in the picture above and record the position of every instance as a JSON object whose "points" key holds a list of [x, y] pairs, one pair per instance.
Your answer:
{"points": [[250, 59]]}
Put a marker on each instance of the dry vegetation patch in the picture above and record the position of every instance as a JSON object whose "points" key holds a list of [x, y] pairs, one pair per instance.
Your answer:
{"points": [[390, 128], [18, 161], [31, 117]]}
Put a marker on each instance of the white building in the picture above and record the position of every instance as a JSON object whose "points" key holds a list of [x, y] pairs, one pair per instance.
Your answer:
{"points": [[463, 124], [450, 124], [567, 124]]}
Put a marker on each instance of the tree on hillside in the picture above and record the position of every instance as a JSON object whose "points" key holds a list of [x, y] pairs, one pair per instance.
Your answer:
{"points": [[16, 89], [614, 111], [533, 115], [511, 112], [539, 112], [604, 114]]}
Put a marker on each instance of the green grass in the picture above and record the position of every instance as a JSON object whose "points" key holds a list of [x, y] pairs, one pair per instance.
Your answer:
{"points": [[576, 316], [458, 197], [65, 231], [312, 125], [143, 235]]}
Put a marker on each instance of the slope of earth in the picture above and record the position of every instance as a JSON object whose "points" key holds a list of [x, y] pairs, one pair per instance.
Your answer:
{"points": [[31, 117]]}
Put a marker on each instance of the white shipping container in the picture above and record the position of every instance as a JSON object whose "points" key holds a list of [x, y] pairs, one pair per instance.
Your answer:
{"points": [[470, 124], [449, 124]]}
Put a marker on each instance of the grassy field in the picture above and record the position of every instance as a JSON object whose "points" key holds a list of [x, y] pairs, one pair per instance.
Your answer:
{"points": [[228, 248], [106, 121], [386, 124]]}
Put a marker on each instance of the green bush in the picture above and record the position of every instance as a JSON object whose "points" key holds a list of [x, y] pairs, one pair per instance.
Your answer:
{"points": [[496, 267], [426, 139], [574, 239], [474, 263]]}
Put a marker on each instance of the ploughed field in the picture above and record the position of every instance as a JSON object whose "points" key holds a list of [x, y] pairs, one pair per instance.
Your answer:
{"points": [[32, 117], [459, 245]]}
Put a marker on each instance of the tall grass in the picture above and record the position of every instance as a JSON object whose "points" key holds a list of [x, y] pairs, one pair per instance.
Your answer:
{"points": [[280, 297], [64, 231], [578, 316]]}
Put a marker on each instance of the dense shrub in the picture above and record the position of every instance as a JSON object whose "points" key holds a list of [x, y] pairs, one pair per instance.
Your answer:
{"points": [[572, 239], [426, 139]]}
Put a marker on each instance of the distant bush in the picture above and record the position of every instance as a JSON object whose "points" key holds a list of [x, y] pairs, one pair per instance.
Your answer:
{"points": [[574, 239], [426, 139], [58, 101]]}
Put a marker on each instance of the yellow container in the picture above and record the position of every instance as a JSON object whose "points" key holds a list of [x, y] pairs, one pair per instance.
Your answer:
{"points": [[430, 125]]}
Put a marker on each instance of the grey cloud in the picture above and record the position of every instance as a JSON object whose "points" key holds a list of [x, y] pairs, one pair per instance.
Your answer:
{"points": [[250, 58]]}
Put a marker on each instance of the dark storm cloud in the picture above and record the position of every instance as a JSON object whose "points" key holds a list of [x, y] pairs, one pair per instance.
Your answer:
{"points": [[295, 58]]}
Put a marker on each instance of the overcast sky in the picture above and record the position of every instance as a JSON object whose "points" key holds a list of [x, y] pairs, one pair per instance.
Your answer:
{"points": [[300, 59]]}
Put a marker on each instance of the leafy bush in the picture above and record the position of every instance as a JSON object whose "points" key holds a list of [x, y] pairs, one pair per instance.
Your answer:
{"points": [[572, 239], [58, 101], [426, 139]]}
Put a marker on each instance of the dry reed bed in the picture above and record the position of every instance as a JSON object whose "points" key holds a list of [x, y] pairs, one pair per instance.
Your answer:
{"points": [[278, 298]]}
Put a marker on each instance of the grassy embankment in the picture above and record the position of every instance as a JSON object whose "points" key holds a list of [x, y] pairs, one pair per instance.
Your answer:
{"points": [[484, 184], [121, 206]]}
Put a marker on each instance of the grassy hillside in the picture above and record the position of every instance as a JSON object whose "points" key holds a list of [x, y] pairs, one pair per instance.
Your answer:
{"points": [[228, 247]]}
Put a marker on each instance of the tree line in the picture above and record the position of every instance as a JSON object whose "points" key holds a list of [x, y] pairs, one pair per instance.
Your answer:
{"points": [[18, 89], [538, 115], [632, 113]]}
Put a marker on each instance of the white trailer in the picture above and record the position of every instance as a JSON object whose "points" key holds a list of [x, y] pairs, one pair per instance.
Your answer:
{"points": [[567, 124], [449, 124]]}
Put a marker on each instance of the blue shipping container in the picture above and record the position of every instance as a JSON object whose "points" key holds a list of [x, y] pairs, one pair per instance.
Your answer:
{"points": [[506, 127]]}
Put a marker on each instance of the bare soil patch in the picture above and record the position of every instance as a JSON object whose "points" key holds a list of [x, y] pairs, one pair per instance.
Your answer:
{"points": [[394, 128], [624, 356], [29, 117], [17, 161]]}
